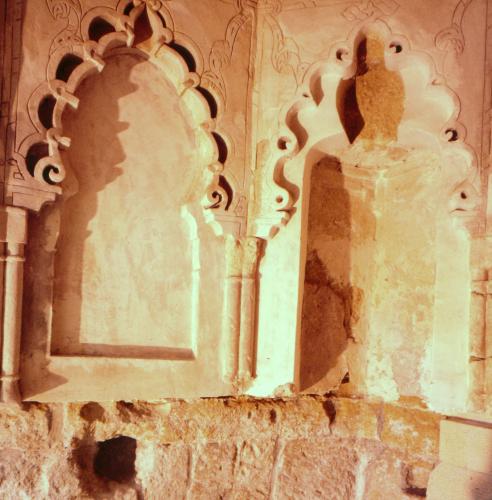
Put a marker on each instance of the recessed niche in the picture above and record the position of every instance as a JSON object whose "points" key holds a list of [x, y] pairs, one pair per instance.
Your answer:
{"points": [[131, 138], [327, 299]]}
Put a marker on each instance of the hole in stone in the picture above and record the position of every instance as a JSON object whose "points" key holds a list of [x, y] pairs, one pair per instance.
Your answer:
{"points": [[221, 146], [45, 111], [340, 53], [330, 410], [452, 134], [397, 48], [305, 95], [128, 8], [115, 459], [279, 199], [186, 55], [348, 109], [34, 154], [228, 189], [282, 143], [100, 27], [463, 195], [212, 103], [47, 171], [67, 66], [142, 29], [273, 416], [416, 492], [346, 378]]}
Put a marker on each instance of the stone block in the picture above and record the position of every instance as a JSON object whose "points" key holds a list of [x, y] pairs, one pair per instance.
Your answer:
{"points": [[164, 470], [213, 470], [355, 418], [322, 468], [456, 483], [467, 445], [410, 429]]}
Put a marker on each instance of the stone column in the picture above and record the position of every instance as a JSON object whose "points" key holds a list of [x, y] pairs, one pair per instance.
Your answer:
{"points": [[13, 237], [231, 316], [251, 257]]}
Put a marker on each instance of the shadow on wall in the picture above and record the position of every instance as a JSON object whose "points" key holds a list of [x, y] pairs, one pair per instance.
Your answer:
{"points": [[94, 129], [63, 256], [331, 303], [328, 297]]}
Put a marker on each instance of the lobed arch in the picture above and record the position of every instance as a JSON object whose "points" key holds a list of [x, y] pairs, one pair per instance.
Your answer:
{"points": [[438, 129], [145, 29], [312, 132]]}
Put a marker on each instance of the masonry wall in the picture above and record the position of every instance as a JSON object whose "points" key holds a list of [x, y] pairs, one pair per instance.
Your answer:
{"points": [[259, 62], [307, 447]]}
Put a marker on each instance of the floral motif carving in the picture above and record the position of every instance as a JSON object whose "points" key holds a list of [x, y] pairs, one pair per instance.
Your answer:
{"points": [[360, 11], [71, 11], [452, 38], [285, 53], [221, 51]]}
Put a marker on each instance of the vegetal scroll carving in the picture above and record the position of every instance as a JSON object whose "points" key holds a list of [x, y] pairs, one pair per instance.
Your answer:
{"points": [[315, 104], [452, 38], [360, 11], [79, 50], [71, 11]]}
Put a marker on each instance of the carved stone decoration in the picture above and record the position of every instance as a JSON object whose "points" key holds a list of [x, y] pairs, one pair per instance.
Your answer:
{"points": [[73, 58], [381, 163], [239, 323], [452, 38], [18, 189], [91, 42]]}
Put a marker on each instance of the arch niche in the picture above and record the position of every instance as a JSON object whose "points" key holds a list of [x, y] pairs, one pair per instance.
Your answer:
{"points": [[129, 132], [379, 210]]}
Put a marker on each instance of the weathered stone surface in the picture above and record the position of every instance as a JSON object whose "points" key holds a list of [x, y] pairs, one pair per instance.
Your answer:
{"points": [[389, 473], [317, 469], [163, 469], [410, 429], [356, 418], [305, 447]]}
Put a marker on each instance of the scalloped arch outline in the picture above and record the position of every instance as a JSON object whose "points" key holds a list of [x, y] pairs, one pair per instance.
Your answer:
{"points": [[88, 57], [316, 99]]}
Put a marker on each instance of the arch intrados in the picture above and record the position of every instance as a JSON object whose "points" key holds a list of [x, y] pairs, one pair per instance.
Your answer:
{"points": [[93, 55]]}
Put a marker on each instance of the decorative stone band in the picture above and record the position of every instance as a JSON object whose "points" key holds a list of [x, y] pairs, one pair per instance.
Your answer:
{"points": [[13, 235]]}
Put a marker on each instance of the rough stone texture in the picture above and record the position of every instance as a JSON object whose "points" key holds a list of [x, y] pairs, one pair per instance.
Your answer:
{"points": [[324, 468], [307, 447]]}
